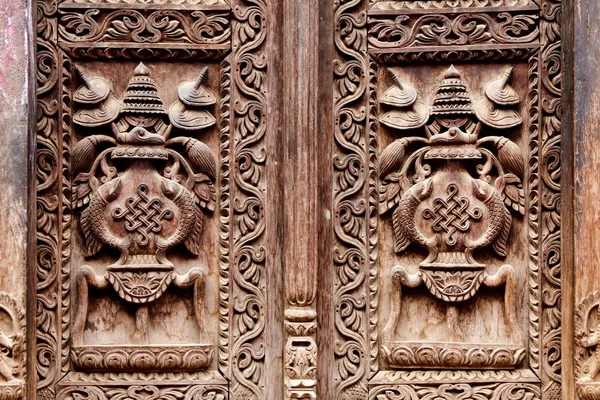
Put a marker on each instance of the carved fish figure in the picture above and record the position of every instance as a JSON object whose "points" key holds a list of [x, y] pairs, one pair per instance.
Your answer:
{"points": [[93, 225], [405, 229], [499, 224], [190, 220]]}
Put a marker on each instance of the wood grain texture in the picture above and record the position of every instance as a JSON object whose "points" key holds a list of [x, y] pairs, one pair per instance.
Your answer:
{"points": [[17, 199], [582, 107]]}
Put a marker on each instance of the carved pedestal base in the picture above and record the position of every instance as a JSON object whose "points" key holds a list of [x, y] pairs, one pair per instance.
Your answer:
{"points": [[588, 390], [140, 386], [11, 390], [143, 358], [451, 355]]}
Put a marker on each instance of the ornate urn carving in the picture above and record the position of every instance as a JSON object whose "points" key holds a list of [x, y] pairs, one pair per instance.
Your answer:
{"points": [[142, 192], [451, 191]]}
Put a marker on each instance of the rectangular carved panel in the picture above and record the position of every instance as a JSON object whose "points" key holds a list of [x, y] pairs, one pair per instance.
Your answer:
{"points": [[151, 198], [451, 204], [446, 193]]}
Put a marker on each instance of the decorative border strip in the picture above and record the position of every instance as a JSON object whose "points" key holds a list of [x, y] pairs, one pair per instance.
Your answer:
{"points": [[50, 258], [440, 5], [550, 196], [354, 221], [225, 218], [500, 53], [533, 231], [451, 391], [401, 33], [249, 191], [418, 377], [142, 358], [157, 33]]}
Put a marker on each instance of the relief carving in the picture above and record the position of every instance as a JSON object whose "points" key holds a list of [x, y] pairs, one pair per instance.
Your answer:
{"points": [[141, 30], [450, 30], [142, 191], [12, 348], [440, 4], [141, 386], [460, 391], [452, 191], [587, 353]]}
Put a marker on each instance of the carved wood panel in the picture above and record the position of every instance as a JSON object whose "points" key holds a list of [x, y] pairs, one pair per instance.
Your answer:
{"points": [[161, 175], [447, 199], [151, 195]]}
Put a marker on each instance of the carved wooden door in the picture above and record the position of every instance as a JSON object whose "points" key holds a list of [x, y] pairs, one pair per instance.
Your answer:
{"points": [[349, 200]]}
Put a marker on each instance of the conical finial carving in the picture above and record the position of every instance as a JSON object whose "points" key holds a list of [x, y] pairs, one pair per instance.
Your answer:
{"points": [[141, 95], [141, 69], [452, 97]]}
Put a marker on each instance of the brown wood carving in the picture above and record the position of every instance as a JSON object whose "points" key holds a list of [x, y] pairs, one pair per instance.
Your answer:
{"points": [[587, 353], [446, 170], [151, 191], [143, 209], [452, 195], [12, 348], [172, 134]]}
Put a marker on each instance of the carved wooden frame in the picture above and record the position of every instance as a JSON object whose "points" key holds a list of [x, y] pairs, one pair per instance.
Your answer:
{"points": [[359, 52], [239, 41]]}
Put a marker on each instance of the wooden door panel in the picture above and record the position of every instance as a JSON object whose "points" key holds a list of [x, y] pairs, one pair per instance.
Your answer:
{"points": [[257, 200], [435, 297], [151, 199]]}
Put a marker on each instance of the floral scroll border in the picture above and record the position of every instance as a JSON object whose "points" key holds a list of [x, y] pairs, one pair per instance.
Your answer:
{"points": [[355, 201]]}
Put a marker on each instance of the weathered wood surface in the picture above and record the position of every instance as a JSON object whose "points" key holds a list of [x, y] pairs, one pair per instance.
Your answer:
{"points": [[339, 200], [582, 98], [17, 199]]}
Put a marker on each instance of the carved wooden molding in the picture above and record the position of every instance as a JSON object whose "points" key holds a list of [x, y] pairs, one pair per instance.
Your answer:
{"points": [[249, 64], [587, 367], [163, 32], [448, 391], [141, 386], [401, 33], [12, 349], [445, 4]]}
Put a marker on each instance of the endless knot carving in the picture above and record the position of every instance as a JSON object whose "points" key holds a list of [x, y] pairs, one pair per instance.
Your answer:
{"points": [[452, 215], [143, 214]]}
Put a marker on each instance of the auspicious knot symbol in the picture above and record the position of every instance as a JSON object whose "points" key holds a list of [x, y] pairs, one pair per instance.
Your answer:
{"points": [[452, 215], [143, 215]]}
